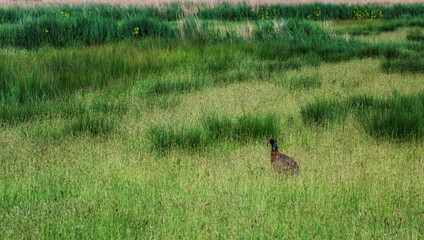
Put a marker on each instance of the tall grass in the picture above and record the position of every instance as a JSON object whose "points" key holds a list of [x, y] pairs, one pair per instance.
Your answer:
{"points": [[396, 117], [302, 82], [61, 31], [214, 129], [194, 30], [276, 41], [377, 27], [412, 64], [60, 72], [171, 84], [313, 11], [313, 43], [203, 2], [35, 77], [221, 11], [96, 24], [415, 34], [166, 102], [142, 27], [242, 128], [165, 138], [323, 112], [93, 124]]}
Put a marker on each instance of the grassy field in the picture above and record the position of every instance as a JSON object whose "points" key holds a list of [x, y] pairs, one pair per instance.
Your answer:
{"points": [[118, 130]]}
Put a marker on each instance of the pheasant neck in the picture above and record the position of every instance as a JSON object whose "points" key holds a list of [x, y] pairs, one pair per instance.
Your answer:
{"points": [[274, 147]]}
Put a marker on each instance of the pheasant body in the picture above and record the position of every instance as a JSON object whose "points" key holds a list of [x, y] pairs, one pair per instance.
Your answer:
{"points": [[281, 162]]}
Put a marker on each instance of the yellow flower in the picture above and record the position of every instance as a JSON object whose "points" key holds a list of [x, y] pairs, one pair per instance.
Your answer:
{"points": [[136, 31]]}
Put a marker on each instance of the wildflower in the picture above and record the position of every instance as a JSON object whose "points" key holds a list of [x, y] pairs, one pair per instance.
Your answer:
{"points": [[136, 31]]}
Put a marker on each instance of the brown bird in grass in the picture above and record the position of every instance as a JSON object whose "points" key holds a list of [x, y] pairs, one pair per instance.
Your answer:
{"points": [[281, 162]]}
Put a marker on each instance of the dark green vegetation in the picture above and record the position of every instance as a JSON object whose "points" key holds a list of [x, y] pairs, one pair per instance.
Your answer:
{"points": [[323, 111], [224, 11], [302, 82], [415, 34], [214, 129], [396, 117], [377, 27], [140, 123], [95, 24]]}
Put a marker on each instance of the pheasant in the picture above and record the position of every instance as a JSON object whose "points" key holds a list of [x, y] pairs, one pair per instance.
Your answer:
{"points": [[281, 162]]}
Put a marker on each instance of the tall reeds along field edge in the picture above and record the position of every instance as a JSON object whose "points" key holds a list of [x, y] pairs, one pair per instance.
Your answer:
{"points": [[96, 24], [220, 11]]}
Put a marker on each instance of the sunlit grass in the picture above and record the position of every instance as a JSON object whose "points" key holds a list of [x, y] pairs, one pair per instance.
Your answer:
{"points": [[86, 160]]}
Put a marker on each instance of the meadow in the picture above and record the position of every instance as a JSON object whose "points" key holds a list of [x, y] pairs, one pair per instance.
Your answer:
{"points": [[146, 122]]}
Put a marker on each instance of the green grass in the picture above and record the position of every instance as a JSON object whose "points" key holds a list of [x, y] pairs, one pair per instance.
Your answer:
{"points": [[92, 124], [415, 34], [323, 112], [414, 64], [219, 11], [302, 82], [377, 27], [166, 137], [397, 117], [214, 130], [243, 128]]}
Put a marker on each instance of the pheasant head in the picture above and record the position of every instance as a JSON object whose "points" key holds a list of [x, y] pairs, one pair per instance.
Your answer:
{"points": [[273, 143]]}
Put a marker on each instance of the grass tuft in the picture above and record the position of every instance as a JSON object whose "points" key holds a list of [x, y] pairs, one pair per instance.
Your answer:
{"points": [[302, 82], [164, 138], [164, 102], [214, 130], [170, 85], [243, 128], [397, 117], [412, 64], [415, 34], [93, 124], [323, 112]]}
